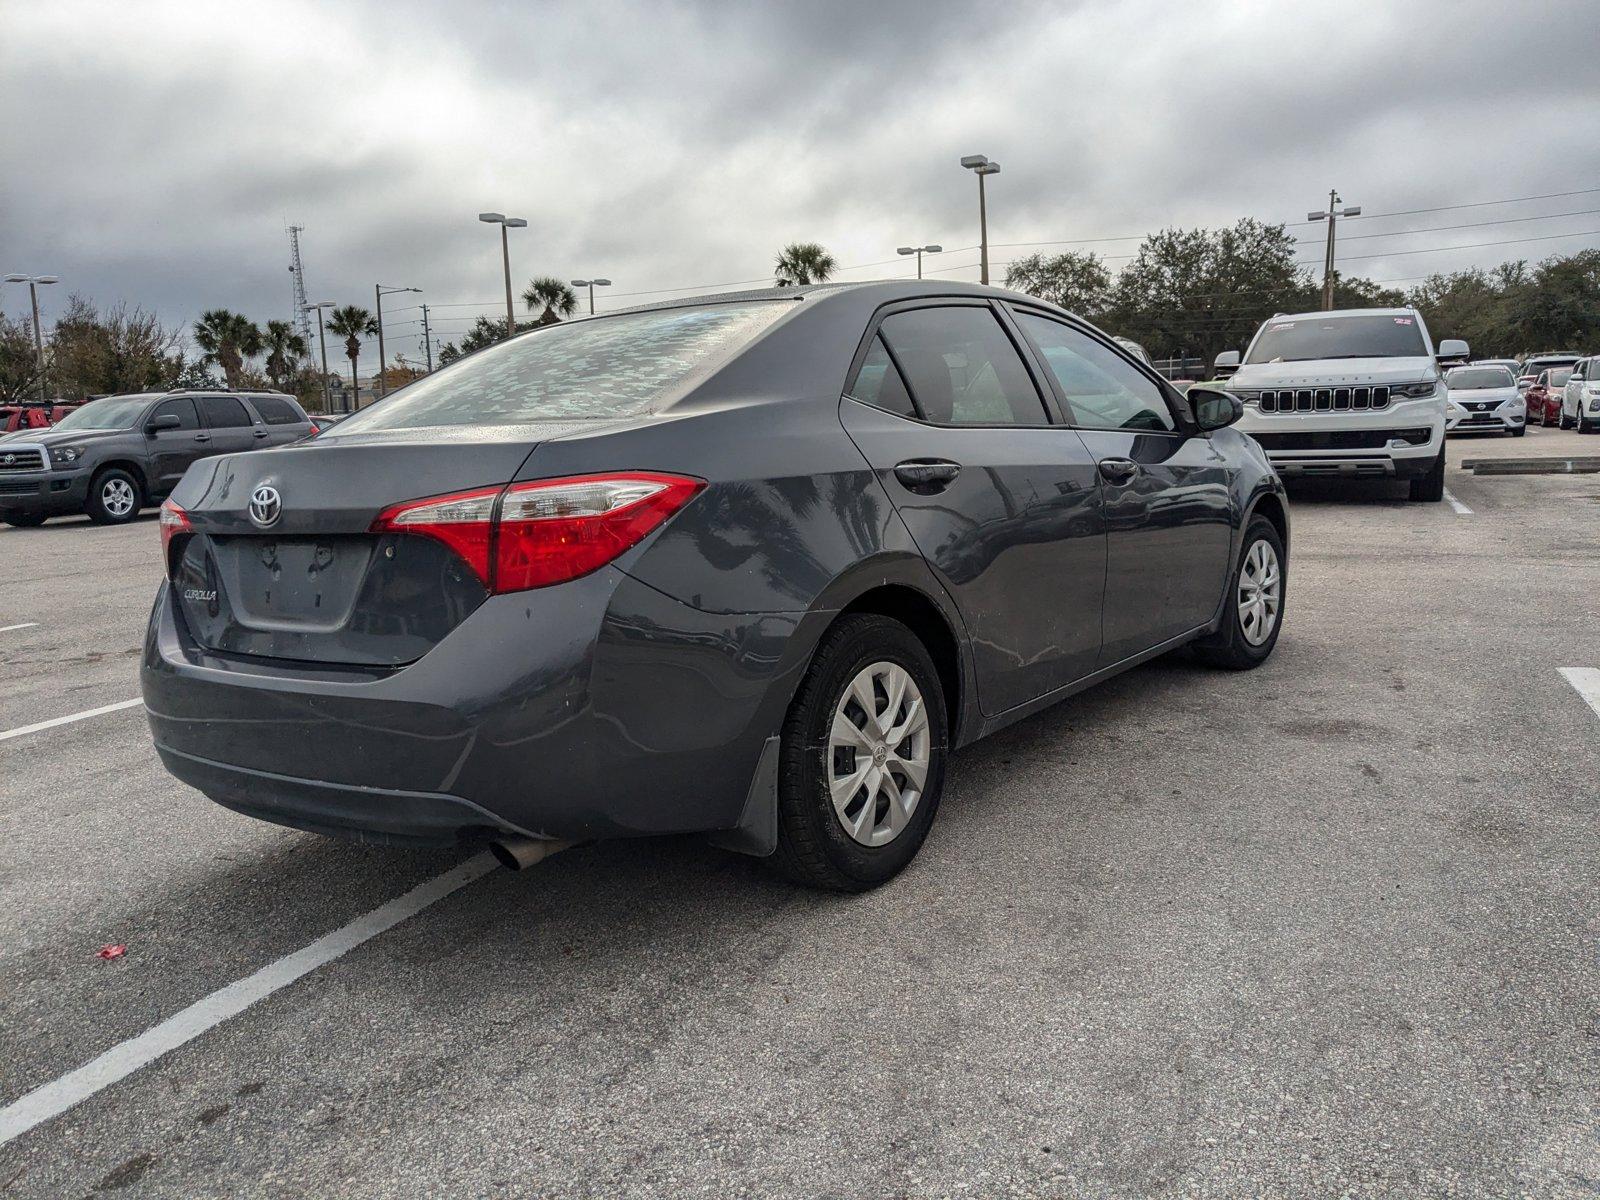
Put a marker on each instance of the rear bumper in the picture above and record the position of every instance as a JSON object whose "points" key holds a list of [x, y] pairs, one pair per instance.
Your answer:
{"points": [[600, 708]]}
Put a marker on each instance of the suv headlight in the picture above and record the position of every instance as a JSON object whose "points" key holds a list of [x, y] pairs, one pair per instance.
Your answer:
{"points": [[1414, 391], [65, 454]]}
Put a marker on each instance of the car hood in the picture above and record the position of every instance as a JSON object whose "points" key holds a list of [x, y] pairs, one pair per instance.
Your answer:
{"points": [[62, 437], [1480, 395], [1333, 372]]}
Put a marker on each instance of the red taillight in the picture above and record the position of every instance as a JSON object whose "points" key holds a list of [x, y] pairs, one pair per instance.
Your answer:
{"points": [[173, 521], [532, 535]]}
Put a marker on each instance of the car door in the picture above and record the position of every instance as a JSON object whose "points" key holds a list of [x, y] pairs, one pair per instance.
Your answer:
{"points": [[1000, 497], [1572, 394], [1166, 489], [281, 418], [230, 427], [172, 450]]}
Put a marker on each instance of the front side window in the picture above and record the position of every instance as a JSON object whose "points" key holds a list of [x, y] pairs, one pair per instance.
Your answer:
{"points": [[1104, 390], [224, 412], [878, 383], [1305, 338], [962, 368], [599, 369], [182, 409]]}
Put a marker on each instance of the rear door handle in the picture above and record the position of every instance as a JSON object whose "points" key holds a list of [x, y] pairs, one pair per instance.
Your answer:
{"points": [[926, 476], [1118, 470], [260, 433]]}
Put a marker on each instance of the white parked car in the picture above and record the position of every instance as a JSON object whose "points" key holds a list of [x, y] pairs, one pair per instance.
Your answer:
{"points": [[1580, 399], [1352, 393], [1484, 399]]}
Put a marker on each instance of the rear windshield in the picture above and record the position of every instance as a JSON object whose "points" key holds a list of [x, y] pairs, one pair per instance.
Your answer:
{"points": [[1558, 377], [1305, 338], [612, 367], [1473, 378]]}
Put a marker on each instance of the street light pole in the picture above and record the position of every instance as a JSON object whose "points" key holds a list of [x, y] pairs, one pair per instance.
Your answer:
{"points": [[505, 223], [379, 291], [982, 167], [1331, 216], [919, 251], [591, 284], [322, 336], [33, 282]]}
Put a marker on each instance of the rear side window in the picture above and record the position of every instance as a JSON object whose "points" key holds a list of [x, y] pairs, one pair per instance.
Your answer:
{"points": [[224, 412], [962, 368], [611, 367], [276, 410], [1104, 390], [182, 409], [878, 383]]}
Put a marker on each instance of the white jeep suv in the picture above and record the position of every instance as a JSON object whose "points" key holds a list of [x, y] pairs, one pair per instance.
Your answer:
{"points": [[1352, 393]]}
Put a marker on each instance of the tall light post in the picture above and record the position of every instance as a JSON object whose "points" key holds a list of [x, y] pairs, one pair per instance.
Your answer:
{"points": [[506, 223], [379, 292], [1331, 217], [322, 336], [33, 282], [982, 166], [919, 251], [591, 284]]}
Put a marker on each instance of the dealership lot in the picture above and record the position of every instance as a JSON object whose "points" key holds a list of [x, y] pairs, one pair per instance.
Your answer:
{"points": [[1328, 926]]}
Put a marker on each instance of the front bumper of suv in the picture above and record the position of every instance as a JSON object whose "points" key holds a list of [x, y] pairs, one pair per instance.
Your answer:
{"points": [[47, 492], [1401, 441]]}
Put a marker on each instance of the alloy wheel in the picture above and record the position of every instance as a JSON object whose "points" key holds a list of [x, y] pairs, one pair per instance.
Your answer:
{"points": [[878, 754], [1260, 593], [117, 497]]}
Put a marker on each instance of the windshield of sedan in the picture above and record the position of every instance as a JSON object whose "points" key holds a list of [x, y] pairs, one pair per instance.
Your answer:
{"points": [[113, 412], [1474, 378], [612, 367], [1306, 338]]}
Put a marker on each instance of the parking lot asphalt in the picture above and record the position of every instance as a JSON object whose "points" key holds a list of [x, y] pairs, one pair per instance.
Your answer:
{"points": [[1328, 927]]}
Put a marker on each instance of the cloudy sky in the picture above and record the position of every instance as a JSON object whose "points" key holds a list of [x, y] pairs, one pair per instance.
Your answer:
{"points": [[154, 153]]}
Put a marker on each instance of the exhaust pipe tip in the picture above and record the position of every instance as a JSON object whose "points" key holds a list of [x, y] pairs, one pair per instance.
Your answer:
{"points": [[517, 853]]}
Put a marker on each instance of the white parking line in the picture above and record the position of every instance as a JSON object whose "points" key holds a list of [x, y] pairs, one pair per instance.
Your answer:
{"points": [[1456, 504], [54, 1098], [1587, 682], [69, 719], [24, 625]]}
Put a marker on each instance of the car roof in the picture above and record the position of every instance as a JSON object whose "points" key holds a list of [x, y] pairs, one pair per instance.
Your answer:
{"points": [[886, 290], [1343, 312]]}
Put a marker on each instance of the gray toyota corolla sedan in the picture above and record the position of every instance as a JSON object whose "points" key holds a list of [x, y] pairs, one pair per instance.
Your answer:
{"points": [[748, 566]]}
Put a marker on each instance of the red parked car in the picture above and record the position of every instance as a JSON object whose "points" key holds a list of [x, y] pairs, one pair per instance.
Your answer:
{"points": [[31, 415], [1544, 396]]}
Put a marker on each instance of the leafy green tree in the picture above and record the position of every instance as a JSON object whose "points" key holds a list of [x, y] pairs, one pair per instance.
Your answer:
{"points": [[485, 331], [801, 263], [19, 363], [286, 351], [549, 293], [352, 323], [228, 340], [1075, 281], [120, 349]]}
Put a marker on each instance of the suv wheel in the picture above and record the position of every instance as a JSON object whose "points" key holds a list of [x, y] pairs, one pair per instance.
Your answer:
{"points": [[1585, 426], [115, 497], [862, 763], [1563, 422], [1254, 613], [1431, 485]]}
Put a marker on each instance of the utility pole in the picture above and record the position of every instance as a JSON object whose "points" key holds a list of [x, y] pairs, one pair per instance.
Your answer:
{"points": [[982, 166], [427, 339], [1331, 216], [33, 282]]}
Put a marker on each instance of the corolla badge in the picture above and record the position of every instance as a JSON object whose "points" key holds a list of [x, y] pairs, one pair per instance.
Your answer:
{"points": [[266, 506]]}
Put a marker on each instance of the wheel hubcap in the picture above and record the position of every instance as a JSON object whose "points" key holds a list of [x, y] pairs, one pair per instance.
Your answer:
{"points": [[1260, 589], [117, 496], [878, 754]]}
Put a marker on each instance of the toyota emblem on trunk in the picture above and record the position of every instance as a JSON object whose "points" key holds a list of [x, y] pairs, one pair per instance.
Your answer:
{"points": [[266, 506]]}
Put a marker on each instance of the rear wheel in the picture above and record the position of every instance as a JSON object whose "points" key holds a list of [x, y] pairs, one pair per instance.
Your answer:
{"points": [[1254, 613], [863, 756], [1585, 426], [115, 497], [1431, 485], [23, 520], [1563, 422]]}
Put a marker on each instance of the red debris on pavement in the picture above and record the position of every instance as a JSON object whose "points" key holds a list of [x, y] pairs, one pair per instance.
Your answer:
{"points": [[113, 951]]}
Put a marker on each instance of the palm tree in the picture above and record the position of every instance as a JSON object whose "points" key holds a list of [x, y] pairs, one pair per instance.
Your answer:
{"points": [[804, 262], [284, 349], [352, 323], [557, 299], [228, 339]]}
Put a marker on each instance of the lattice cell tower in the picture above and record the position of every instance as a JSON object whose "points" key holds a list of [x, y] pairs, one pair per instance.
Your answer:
{"points": [[302, 319]]}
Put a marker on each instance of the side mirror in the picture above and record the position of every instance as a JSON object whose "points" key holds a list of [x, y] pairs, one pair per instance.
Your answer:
{"points": [[164, 421], [1226, 363], [1214, 408], [1453, 348]]}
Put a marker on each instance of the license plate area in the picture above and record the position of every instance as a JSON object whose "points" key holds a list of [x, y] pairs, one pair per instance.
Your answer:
{"points": [[309, 585]]}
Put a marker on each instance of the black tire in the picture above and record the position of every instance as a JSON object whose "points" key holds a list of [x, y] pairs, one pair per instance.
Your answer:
{"points": [[1519, 431], [1431, 485], [97, 504], [22, 520], [1229, 648], [814, 847], [1585, 426], [1562, 422]]}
